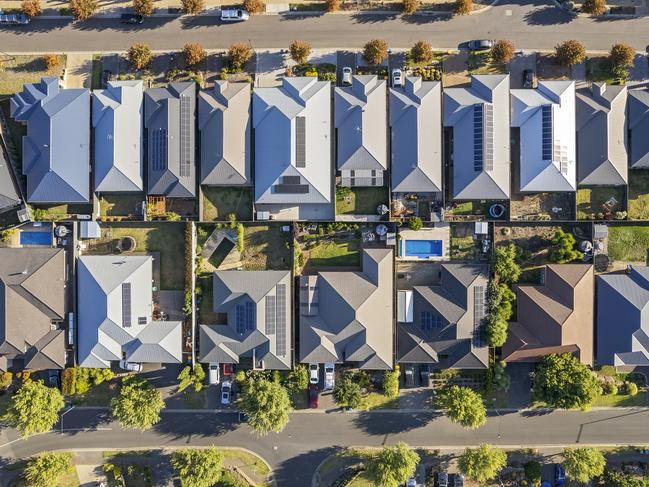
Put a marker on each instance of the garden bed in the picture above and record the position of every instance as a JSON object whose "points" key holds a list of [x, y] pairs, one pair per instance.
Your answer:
{"points": [[324, 71]]}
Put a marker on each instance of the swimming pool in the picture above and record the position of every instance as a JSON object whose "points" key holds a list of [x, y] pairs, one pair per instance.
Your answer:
{"points": [[423, 248], [36, 238]]}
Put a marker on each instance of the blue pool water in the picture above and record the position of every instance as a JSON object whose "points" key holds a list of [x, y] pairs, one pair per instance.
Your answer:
{"points": [[35, 238], [423, 248]]}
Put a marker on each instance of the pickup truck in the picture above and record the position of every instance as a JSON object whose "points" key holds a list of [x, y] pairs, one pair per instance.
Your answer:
{"points": [[234, 15], [18, 19]]}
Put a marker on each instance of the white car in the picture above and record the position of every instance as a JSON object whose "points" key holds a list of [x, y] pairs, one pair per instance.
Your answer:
{"points": [[314, 376], [411, 483], [397, 78], [130, 366], [226, 390], [347, 76], [234, 15], [215, 373], [329, 377]]}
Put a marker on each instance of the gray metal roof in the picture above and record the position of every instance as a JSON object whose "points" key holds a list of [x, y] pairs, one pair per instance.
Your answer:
{"points": [[623, 318], [602, 135], [115, 308], [347, 316], [268, 334], [479, 116], [117, 120], [56, 149], [169, 117], [224, 124], [9, 196], [275, 112], [638, 106], [546, 118], [361, 120], [416, 123]]}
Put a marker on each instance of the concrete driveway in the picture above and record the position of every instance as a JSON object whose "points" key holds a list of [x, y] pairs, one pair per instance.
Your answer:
{"points": [[519, 63], [519, 394], [344, 59]]}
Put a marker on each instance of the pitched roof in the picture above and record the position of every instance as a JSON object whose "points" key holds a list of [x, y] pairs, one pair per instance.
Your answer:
{"points": [[479, 116], [9, 196], [601, 135], [224, 124], [415, 120], [169, 114], [638, 104], [115, 313], [56, 149], [117, 120], [546, 118]]}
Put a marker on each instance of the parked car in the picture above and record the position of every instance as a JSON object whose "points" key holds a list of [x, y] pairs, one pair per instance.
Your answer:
{"points": [[397, 78], [347, 76], [215, 373], [409, 377], [234, 15], [131, 18], [480, 44], [106, 75], [458, 480], [14, 19], [226, 390], [329, 378], [442, 479], [314, 376], [529, 78], [411, 482], [559, 475], [131, 366], [313, 396], [424, 375]]}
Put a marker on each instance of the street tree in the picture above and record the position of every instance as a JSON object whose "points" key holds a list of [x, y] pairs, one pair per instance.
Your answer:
{"points": [[300, 51], [505, 264], [375, 51], [563, 248], [409, 7], [34, 408], [392, 465], [191, 376], [138, 404], [483, 463], [239, 54], [267, 405], [194, 54], [192, 7], [463, 7], [347, 391], [254, 6], [139, 55], [31, 8], [52, 61], [621, 58], [464, 406], [595, 7], [562, 381], [143, 7], [583, 464], [502, 51], [46, 469], [332, 5], [83, 9], [422, 52], [569, 53], [615, 478], [198, 467]]}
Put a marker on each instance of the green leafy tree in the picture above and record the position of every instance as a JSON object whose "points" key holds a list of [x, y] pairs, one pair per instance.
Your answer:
{"points": [[499, 302], [582, 464], [415, 223], [615, 478], [299, 51], [563, 248], [483, 463], [298, 379], [138, 404], [533, 471], [621, 58], [631, 388], [502, 51], [422, 52], [375, 51], [192, 377], [267, 405], [34, 408], [347, 391], [569, 53], [463, 7], [595, 7], [46, 469], [464, 406], [198, 467], [391, 382], [562, 381], [392, 465], [505, 264]]}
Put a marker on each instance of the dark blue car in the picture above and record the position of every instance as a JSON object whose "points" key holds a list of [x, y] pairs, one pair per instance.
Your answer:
{"points": [[559, 475]]}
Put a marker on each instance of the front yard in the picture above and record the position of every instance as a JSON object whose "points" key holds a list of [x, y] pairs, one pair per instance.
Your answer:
{"points": [[628, 243], [360, 201], [595, 203], [480, 63], [15, 71], [220, 202]]}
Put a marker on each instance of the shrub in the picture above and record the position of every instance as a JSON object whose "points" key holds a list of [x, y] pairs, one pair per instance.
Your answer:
{"points": [[51, 61], [505, 263], [375, 51], [562, 249], [415, 223], [621, 57], [502, 51], [533, 471], [254, 6], [570, 52], [391, 382], [609, 388], [300, 51], [332, 5], [31, 8], [83, 9], [463, 7], [595, 7], [409, 6], [68, 381], [239, 54], [143, 7], [192, 7], [139, 55], [422, 52], [7, 377], [631, 388], [194, 53]]}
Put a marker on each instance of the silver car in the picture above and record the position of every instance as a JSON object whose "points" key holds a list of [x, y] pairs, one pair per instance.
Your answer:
{"points": [[347, 76]]}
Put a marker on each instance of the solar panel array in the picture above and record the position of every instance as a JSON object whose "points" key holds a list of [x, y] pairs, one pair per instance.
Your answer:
{"points": [[250, 315], [479, 309], [546, 129], [126, 304], [186, 120], [488, 137], [159, 150], [239, 318], [280, 339], [300, 141], [270, 315]]}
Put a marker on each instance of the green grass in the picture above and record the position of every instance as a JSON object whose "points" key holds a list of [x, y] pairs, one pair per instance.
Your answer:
{"points": [[361, 481], [252, 462], [266, 247], [97, 67], [628, 243], [99, 395], [590, 200], [219, 202], [360, 201], [206, 315], [375, 400], [69, 479], [621, 400], [122, 204], [639, 195], [328, 253], [18, 70], [480, 63], [462, 248], [598, 69]]}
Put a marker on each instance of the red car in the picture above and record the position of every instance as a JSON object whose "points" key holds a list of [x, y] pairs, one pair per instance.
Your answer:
{"points": [[313, 396]]}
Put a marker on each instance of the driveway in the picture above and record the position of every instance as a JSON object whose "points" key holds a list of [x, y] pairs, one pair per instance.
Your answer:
{"points": [[344, 59], [519, 63], [519, 394]]}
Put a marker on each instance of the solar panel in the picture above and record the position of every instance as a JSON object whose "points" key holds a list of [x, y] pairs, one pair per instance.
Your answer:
{"points": [[126, 304], [488, 137], [280, 339], [291, 188], [239, 317], [478, 314], [300, 141], [546, 130], [250, 315], [290, 179], [426, 321], [270, 315], [159, 150], [142, 320], [186, 121], [478, 139]]}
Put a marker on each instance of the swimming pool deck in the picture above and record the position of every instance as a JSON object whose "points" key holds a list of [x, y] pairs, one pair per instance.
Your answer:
{"points": [[441, 231]]}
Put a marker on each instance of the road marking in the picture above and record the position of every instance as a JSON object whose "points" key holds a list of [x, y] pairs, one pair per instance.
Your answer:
{"points": [[508, 13]]}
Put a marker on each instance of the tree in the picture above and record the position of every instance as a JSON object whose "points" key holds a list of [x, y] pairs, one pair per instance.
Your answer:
{"points": [[143, 7], [139, 55], [614, 478], [194, 53], [192, 7], [562, 249], [239, 54], [499, 303], [332, 5], [621, 57], [502, 51], [191, 377], [267, 406], [83, 9], [52, 61], [463, 7], [533, 471], [595, 7], [300, 51], [198, 467], [254, 6], [392, 465], [138, 404], [562, 381], [505, 264], [415, 223], [421, 52], [298, 379], [375, 51], [391, 382], [569, 53], [582, 464], [483, 463], [46, 469], [464, 406], [347, 391], [34, 408], [409, 7], [31, 8]]}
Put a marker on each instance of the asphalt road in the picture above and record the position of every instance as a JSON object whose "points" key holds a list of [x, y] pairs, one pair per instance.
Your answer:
{"points": [[538, 25], [309, 438]]}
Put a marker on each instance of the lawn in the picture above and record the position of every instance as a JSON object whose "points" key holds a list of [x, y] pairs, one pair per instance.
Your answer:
{"points": [[266, 247], [462, 248], [242, 457], [628, 243], [360, 201], [18, 70], [639, 195], [219, 202], [99, 395], [376, 400], [480, 63], [590, 201], [205, 314], [361, 481], [621, 400], [329, 253], [123, 204]]}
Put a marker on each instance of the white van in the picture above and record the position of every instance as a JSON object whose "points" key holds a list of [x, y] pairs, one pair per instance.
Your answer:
{"points": [[234, 15]]}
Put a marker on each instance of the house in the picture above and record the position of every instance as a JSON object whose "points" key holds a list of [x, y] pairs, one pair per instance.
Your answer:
{"points": [[441, 326], [554, 317], [117, 120], [9, 195], [622, 320], [478, 119], [361, 131], [56, 149], [256, 306], [169, 117], [602, 158], [224, 125], [638, 113], [292, 131], [115, 314], [32, 288], [545, 119], [346, 317], [416, 136]]}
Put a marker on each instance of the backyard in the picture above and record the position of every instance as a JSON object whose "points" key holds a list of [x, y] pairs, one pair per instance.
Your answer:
{"points": [[628, 243], [597, 203], [219, 202], [360, 201], [121, 205], [266, 247], [542, 206], [639, 195], [328, 253]]}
